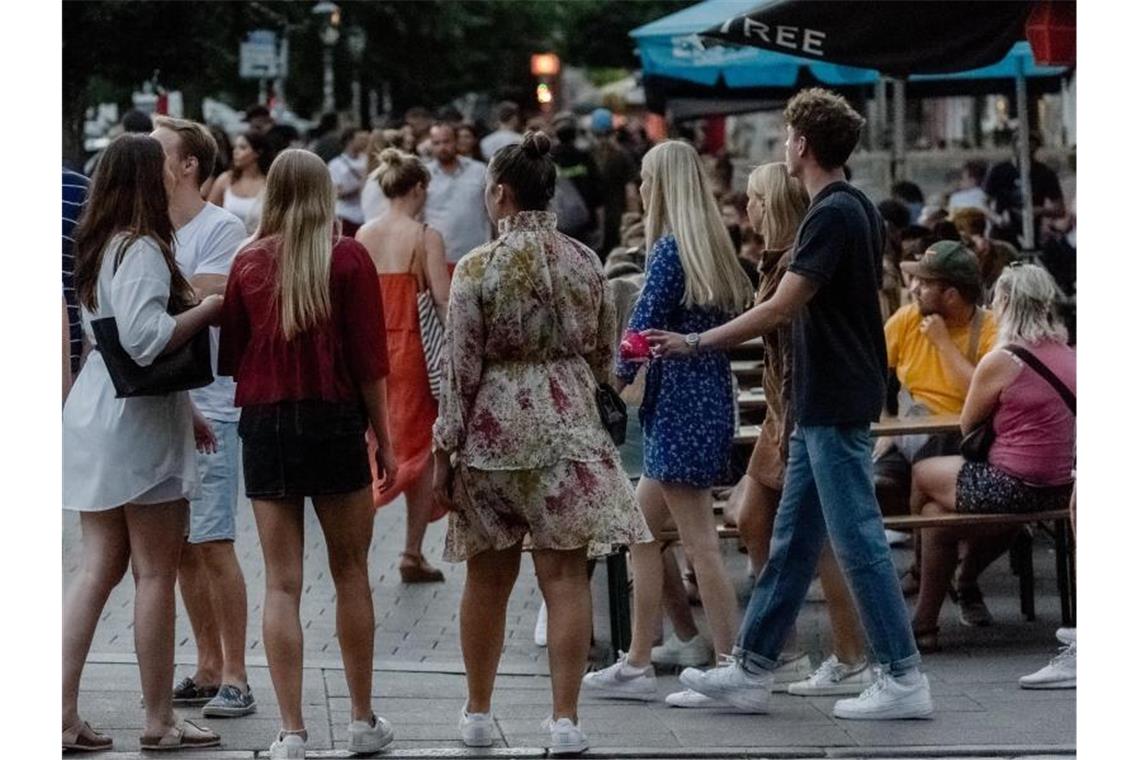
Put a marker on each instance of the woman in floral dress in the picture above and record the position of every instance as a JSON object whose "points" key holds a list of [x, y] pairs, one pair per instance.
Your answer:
{"points": [[520, 450]]}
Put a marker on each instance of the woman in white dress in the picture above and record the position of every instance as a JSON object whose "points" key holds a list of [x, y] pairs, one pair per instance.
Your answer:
{"points": [[129, 464], [241, 190]]}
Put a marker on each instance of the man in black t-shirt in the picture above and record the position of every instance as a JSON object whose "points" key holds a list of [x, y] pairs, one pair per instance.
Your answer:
{"points": [[830, 298], [578, 193]]}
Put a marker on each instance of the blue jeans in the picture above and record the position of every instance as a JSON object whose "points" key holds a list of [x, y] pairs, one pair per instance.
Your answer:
{"points": [[828, 491]]}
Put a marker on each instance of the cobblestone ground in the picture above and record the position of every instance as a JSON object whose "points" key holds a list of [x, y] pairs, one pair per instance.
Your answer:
{"points": [[420, 687]]}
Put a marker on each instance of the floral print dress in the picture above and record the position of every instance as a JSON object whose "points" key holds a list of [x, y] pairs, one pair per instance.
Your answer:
{"points": [[530, 333], [688, 413]]}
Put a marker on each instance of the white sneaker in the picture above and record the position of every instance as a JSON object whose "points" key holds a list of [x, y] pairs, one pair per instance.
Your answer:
{"points": [[476, 729], [692, 700], [287, 747], [1060, 673], [728, 682], [788, 671], [540, 627], [565, 737], [622, 681], [1067, 635], [833, 678], [365, 738], [692, 653], [888, 698]]}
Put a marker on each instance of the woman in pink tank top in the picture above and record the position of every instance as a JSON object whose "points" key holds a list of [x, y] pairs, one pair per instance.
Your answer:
{"points": [[1030, 464]]}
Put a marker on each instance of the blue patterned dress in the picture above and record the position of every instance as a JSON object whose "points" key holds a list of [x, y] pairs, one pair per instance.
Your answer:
{"points": [[687, 413]]}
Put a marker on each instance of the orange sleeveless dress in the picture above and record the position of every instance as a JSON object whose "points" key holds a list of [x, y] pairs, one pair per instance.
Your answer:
{"points": [[411, 407]]}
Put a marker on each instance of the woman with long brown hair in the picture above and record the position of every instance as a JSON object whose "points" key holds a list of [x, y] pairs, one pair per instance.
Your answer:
{"points": [[241, 188], [303, 336], [128, 463]]}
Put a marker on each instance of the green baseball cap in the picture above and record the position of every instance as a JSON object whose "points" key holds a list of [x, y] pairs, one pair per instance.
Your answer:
{"points": [[949, 261]]}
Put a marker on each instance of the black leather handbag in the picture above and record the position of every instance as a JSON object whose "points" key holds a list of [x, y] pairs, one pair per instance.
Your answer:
{"points": [[613, 412], [181, 370]]}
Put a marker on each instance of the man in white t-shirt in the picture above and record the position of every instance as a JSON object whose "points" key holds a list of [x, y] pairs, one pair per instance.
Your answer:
{"points": [[455, 206], [207, 237], [510, 120], [349, 171]]}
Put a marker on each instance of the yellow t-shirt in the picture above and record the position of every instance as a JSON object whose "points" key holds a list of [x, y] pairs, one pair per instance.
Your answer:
{"points": [[919, 365]]}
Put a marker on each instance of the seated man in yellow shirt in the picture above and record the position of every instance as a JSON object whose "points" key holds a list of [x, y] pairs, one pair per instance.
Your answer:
{"points": [[933, 345]]}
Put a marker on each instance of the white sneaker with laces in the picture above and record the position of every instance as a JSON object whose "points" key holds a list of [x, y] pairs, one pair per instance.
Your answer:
{"points": [[728, 682], [540, 627], [1060, 673], [622, 681], [1067, 635], [287, 747], [566, 738], [476, 729], [364, 738], [889, 698], [788, 671], [833, 678], [690, 654], [687, 698]]}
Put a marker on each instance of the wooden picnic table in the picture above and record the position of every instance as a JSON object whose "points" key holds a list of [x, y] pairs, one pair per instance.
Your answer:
{"points": [[930, 423]]}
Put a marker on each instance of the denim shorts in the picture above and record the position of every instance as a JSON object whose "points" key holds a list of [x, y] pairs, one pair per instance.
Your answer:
{"points": [[304, 448], [212, 513]]}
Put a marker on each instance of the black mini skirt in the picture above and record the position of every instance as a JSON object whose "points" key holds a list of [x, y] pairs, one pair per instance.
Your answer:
{"points": [[304, 448]]}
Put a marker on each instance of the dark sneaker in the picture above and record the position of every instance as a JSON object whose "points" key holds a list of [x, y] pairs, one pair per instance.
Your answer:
{"points": [[972, 610], [189, 694], [230, 702]]}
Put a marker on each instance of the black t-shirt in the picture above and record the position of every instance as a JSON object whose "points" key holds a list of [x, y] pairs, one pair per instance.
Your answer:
{"points": [[578, 166], [1003, 184], [839, 354]]}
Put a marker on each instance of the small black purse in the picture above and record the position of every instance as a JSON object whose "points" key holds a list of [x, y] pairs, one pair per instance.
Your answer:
{"points": [[612, 411], [975, 446], [181, 370]]}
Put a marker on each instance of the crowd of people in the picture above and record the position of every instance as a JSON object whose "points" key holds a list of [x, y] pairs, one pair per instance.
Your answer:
{"points": [[432, 312]]}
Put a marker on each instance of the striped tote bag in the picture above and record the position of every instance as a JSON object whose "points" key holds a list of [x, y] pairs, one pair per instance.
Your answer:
{"points": [[431, 335]]}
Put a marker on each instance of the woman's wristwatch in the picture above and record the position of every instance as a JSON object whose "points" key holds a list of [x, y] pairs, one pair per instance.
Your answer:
{"points": [[693, 341]]}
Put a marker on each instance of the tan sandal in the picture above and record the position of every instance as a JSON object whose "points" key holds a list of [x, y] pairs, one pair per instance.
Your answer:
{"points": [[185, 734], [83, 738], [418, 570]]}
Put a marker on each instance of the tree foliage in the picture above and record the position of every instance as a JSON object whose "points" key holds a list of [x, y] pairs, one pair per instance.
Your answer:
{"points": [[427, 51]]}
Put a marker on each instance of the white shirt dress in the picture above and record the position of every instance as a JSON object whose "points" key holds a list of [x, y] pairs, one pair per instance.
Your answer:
{"points": [[128, 450]]}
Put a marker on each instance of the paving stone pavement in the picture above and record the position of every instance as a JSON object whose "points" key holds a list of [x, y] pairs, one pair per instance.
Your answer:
{"points": [[419, 684]]}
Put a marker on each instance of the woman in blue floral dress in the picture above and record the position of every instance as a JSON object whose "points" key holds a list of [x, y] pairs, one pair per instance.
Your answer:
{"points": [[694, 282]]}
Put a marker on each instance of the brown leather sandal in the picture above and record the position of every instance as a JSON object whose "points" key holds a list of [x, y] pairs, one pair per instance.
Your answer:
{"points": [[185, 734], [418, 570], [83, 738]]}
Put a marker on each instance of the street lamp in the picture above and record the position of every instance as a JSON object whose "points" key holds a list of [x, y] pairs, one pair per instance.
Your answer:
{"points": [[357, 40], [330, 33]]}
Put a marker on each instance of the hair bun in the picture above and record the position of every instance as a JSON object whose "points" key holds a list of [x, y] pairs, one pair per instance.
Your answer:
{"points": [[535, 144]]}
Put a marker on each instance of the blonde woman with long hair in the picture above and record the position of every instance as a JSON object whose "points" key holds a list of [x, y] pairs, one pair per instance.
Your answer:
{"points": [[303, 336], [694, 283]]}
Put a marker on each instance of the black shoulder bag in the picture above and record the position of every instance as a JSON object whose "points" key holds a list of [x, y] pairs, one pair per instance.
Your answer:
{"points": [[976, 444], [184, 369]]}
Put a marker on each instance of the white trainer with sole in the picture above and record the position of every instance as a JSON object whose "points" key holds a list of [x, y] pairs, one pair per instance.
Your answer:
{"points": [[889, 698], [622, 681], [1060, 673], [688, 654], [728, 682], [287, 747], [365, 738], [833, 679], [693, 700], [789, 670], [476, 729], [566, 738]]}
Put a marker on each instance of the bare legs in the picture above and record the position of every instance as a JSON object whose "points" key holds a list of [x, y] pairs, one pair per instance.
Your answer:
{"points": [[691, 510], [106, 553], [213, 590], [757, 515], [346, 520]]}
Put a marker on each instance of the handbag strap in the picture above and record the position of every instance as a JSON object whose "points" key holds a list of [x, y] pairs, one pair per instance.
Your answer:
{"points": [[1039, 367], [422, 280]]}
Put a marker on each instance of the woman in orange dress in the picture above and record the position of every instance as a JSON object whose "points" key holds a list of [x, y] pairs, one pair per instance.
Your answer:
{"points": [[409, 257]]}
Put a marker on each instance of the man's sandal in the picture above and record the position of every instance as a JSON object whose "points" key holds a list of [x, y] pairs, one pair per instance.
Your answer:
{"points": [[83, 738], [415, 569], [185, 734]]}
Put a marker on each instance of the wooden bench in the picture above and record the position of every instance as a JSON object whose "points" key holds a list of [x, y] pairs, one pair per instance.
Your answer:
{"points": [[1021, 558]]}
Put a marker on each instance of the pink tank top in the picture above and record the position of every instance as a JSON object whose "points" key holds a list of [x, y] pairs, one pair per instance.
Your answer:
{"points": [[1035, 431]]}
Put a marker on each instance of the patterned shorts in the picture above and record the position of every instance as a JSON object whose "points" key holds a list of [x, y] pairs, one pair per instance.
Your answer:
{"points": [[983, 488]]}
